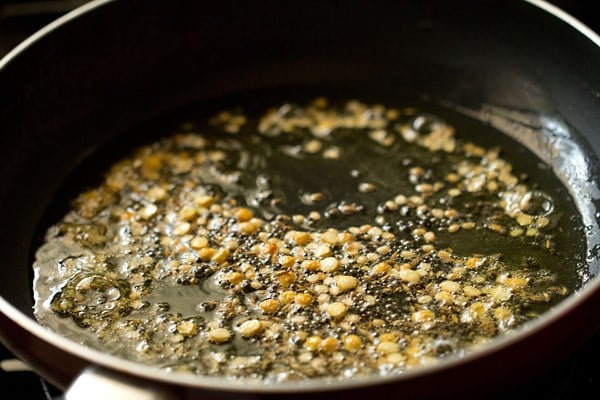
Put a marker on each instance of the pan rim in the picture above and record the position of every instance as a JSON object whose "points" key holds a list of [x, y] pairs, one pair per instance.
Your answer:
{"points": [[131, 368], [568, 18]]}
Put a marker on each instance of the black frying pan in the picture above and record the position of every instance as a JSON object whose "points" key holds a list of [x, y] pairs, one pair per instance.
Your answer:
{"points": [[111, 65]]}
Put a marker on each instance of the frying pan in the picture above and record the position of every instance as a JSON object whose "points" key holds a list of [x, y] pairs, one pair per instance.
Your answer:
{"points": [[523, 67]]}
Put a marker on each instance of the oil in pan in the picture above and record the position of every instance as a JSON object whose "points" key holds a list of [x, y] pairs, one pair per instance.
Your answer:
{"points": [[286, 240]]}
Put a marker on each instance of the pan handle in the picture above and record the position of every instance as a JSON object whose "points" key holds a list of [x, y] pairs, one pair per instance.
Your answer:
{"points": [[95, 383]]}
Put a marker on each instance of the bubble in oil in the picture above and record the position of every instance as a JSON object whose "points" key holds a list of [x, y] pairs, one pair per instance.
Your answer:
{"points": [[537, 203], [424, 123]]}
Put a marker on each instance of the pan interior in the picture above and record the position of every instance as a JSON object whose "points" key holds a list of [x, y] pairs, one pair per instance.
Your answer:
{"points": [[366, 163]]}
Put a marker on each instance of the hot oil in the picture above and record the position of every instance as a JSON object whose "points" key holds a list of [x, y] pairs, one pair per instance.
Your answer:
{"points": [[428, 260]]}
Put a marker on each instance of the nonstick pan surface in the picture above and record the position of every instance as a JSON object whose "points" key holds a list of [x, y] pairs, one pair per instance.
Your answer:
{"points": [[111, 65]]}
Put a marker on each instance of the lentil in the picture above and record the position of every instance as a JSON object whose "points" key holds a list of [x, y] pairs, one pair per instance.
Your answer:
{"points": [[329, 264], [345, 283], [352, 342], [219, 335]]}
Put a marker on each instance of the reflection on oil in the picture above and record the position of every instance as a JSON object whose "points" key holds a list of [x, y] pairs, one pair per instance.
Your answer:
{"points": [[551, 139]]}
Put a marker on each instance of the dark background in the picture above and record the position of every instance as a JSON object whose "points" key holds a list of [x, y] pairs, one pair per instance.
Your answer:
{"points": [[576, 378]]}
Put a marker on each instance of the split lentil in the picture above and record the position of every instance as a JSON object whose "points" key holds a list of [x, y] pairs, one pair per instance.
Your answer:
{"points": [[193, 257]]}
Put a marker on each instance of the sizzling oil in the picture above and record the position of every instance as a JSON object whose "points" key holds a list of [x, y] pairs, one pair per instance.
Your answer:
{"points": [[307, 240]]}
